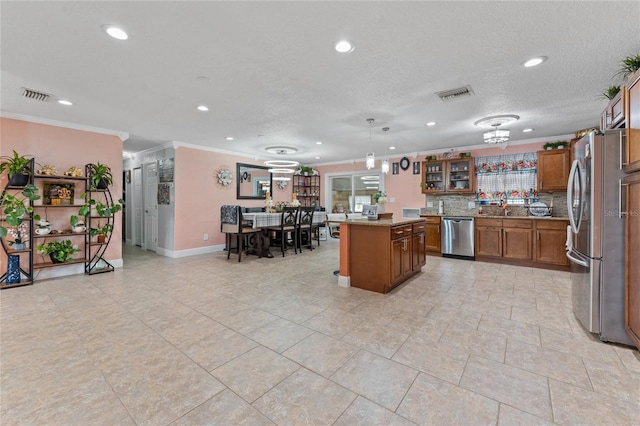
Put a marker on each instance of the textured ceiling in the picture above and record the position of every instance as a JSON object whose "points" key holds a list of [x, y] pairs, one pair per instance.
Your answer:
{"points": [[270, 76]]}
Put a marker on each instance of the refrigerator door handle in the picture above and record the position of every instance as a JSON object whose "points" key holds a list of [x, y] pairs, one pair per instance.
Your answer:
{"points": [[622, 162], [576, 260], [572, 174]]}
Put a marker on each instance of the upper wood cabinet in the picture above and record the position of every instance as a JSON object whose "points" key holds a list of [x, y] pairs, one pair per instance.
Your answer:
{"points": [[455, 176], [632, 113], [553, 169], [613, 116]]}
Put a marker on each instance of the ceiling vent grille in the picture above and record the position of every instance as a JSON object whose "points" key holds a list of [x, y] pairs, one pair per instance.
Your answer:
{"points": [[35, 95], [453, 94]]}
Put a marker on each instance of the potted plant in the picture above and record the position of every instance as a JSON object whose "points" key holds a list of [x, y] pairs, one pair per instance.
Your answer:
{"points": [[611, 92], [561, 144], [306, 171], [20, 236], [17, 167], [58, 251], [549, 145], [16, 209], [100, 176], [629, 65], [101, 232]]}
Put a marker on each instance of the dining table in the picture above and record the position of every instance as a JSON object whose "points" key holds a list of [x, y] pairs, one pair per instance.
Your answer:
{"points": [[265, 220]]}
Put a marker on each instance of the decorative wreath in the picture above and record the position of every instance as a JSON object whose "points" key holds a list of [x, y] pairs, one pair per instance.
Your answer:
{"points": [[281, 184], [224, 177]]}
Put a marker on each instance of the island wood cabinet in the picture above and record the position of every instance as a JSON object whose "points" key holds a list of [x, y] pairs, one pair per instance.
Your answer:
{"points": [[553, 169], [419, 245], [385, 254], [433, 241], [455, 176], [526, 242]]}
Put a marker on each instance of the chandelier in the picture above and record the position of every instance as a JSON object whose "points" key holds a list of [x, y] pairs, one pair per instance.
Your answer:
{"points": [[496, 135], [385, 162], [370, 160], [281, 166]]}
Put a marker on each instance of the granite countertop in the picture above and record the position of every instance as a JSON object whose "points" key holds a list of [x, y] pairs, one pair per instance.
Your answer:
{"points": [[380, 222], [498, 216]]}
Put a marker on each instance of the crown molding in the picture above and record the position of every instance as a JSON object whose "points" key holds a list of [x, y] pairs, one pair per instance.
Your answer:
{"points": [[39, 120]]}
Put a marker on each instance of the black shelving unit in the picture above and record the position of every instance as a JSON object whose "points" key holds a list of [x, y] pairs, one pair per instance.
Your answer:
{"points": [[94, 250], [307, 189]]}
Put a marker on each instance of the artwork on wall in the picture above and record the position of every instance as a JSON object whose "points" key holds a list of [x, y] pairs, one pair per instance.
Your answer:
{"points": [[165, 170], [416, 167], [395, 167], [164, 194]]}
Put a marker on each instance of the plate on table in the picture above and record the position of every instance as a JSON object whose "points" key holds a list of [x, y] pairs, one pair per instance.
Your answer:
{"points": [[539, 209]]}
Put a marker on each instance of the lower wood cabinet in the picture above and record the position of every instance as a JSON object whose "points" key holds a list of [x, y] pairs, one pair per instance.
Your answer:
{"points": [[550, 240], [433, 240], [632, 259], [527, 242], [419, 246]]}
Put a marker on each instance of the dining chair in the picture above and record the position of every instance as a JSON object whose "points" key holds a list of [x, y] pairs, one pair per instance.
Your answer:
{"points": [[334, 228], [305, 225], [232, 224], [288, 229]]}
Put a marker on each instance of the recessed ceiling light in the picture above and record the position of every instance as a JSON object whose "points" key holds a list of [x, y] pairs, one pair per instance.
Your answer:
{"points": [[115, 32], [344, 46], [527, 130], [64, 102], [229, 138], [431, 123], [534, 61], [317, 158], [203, 108], [392, 147], [319, 143]]}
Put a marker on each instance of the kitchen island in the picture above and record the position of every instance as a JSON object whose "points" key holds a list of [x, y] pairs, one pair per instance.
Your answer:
{"points": [[379, 255]]}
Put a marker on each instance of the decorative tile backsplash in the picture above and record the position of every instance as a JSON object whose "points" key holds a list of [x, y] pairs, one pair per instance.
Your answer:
{"points": [[458, 205]]}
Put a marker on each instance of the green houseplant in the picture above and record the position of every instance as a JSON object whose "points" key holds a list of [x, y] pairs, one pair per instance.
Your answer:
{"points": [[549, 145], [100, 176], [629, 65], [561, 144], [17, 167], [306, 171], [611, 92], [16, 209], [59, 251]]}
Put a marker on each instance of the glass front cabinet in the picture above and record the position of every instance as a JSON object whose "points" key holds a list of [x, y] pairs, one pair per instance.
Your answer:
{"points": [[448, 176]]}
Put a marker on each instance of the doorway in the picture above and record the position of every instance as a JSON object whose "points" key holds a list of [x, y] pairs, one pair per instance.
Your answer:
{"points": [[136, 201], [151, 207]]}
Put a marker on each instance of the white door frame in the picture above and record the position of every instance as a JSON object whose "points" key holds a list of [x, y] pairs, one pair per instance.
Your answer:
{"points": [[150, 188], [136, 197]]}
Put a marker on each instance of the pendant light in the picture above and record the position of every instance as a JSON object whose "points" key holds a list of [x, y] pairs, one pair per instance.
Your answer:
{"points": [[370, 159], [385, 162]]}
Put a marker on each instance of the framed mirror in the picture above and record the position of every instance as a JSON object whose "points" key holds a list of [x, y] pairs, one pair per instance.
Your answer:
{"points": [[253, 181]]}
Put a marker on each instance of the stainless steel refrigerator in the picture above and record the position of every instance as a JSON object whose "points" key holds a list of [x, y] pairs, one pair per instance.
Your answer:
{"points": [[595, 240]]}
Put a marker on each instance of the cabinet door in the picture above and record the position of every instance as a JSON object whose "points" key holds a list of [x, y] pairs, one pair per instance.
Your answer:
{"points": [[632, 266], [397, 254], [460, 176], [488, 241], [517, 243], [633, 123], [418, 250], [407, 254], [433, 177], [550, 246], [432, 237], [553, 169]]}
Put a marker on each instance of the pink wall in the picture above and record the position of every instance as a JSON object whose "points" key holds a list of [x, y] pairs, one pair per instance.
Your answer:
{"points": [[62, 147], [405, 186], [198, 196]]}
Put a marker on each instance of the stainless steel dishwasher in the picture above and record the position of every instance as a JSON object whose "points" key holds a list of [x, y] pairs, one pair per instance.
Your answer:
{"points": [[458, 237]]}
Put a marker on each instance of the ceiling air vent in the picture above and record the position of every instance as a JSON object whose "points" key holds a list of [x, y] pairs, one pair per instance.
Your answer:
{"points": [[450, 95], [35, 95]]}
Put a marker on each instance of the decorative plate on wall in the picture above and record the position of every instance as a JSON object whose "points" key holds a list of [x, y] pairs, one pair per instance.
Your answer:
{"points": [[224, 177]]}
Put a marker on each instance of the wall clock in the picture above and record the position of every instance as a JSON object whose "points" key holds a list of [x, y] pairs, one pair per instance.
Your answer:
{"points": [[404, 163]]}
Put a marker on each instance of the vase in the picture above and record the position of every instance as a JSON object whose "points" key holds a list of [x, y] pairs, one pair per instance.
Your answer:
{"points": [[13, 269], [380, 208], [19, 246]]}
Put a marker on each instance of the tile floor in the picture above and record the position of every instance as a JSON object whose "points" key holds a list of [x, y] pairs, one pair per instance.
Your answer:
{"points": [[202, 340]]}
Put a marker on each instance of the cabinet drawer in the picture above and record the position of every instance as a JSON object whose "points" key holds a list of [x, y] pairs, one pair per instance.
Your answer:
{"points": [[517, 223], [488, 222], [400, 231], [551, 224], [435, 220], [419, 227]]}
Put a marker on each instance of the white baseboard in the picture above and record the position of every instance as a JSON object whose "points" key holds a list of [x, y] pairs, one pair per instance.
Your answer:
{"points": [[344, 281], [190, 252]]}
